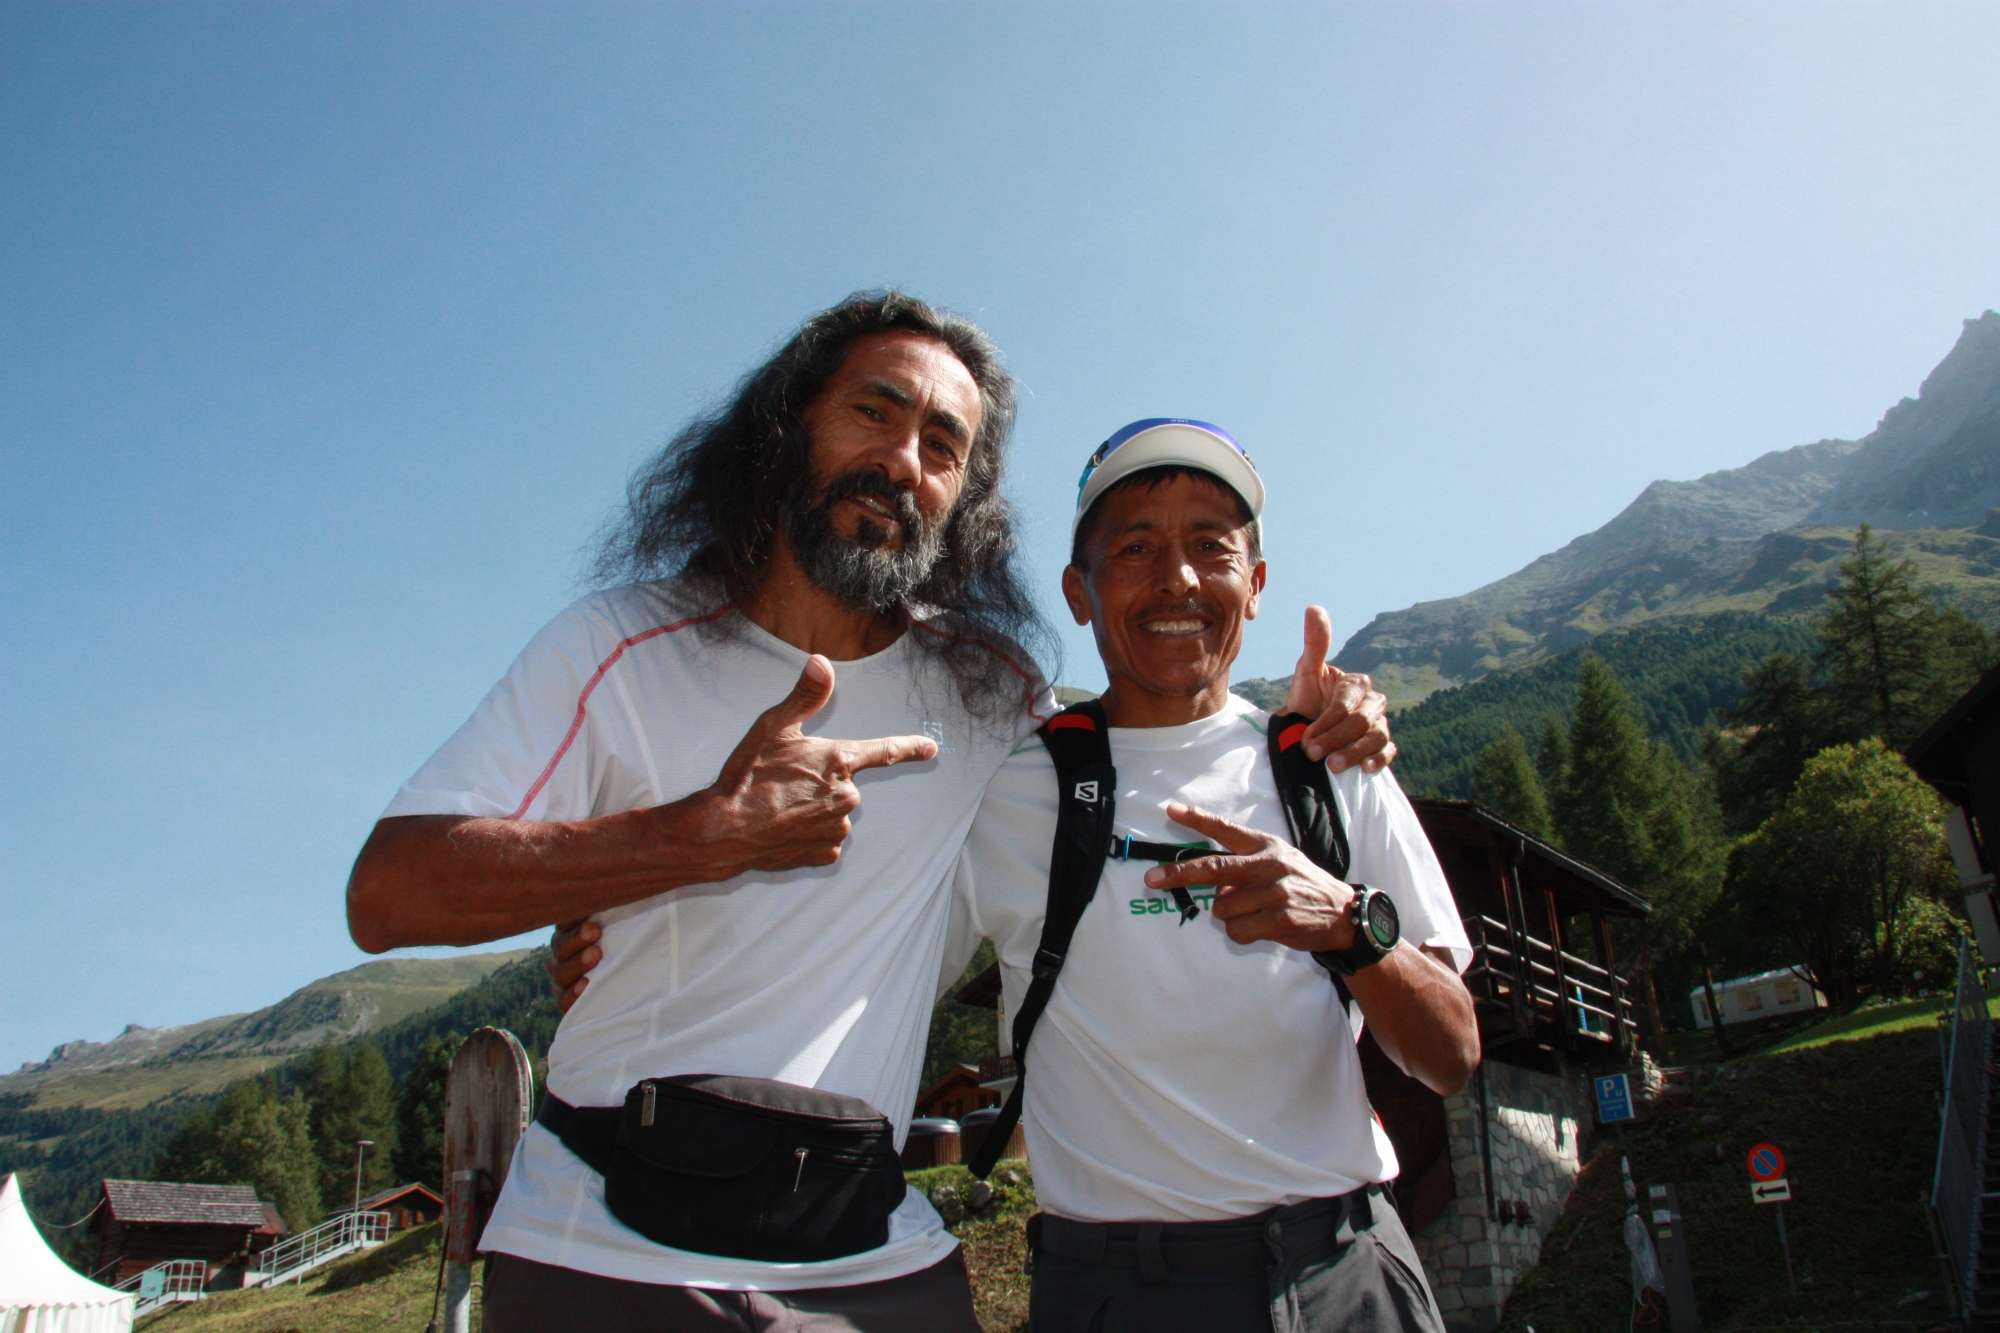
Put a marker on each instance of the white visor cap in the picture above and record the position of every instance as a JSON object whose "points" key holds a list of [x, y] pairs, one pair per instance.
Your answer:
{"points": [[1164, 441]]}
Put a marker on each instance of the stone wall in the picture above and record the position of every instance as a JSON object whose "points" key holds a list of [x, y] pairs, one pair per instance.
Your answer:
{"points": [[1534, 1121]]}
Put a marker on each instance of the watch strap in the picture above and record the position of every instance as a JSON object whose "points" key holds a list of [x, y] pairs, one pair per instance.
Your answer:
{"points": [[1366, 951]]}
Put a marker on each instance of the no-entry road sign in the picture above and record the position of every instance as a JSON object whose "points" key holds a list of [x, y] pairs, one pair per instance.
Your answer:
{"points": [[1771, 1191], [1766, 1162]]}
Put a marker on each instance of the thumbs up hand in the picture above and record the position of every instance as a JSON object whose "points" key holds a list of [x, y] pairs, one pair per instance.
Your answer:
{"points": [[1350, 716], [785, 797]]}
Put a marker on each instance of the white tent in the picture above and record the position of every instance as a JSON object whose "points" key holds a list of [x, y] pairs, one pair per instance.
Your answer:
{"points": [[39, 1293]]}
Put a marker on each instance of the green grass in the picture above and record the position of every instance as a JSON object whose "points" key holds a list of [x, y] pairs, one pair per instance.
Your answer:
{"points": [[1876, 1021], [1746, 1039], [1855, 1113], [994, 1240], [135, 1086], [389, 1287]]}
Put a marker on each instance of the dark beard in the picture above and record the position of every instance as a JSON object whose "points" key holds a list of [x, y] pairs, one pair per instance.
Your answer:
{"points": [[862, 571]]}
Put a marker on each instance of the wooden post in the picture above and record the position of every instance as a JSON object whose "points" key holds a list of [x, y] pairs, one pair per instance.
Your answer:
{"points": [[1567, 1015], [486, 1111], [1521, 999], [1615, 985]]}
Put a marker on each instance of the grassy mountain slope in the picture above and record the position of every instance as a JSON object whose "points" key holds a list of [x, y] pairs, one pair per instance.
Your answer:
{"points": [[514, 996], [1858, 1123], [1759, 537], [75, 1121], [365, 999], [1680, 674], [143, 1064]]}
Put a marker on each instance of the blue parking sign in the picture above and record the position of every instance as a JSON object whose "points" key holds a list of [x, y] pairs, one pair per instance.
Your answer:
{"points": [[1614, 1098]]}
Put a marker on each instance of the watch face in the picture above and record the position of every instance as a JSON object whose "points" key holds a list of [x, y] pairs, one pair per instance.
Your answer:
{"points": [[1382, 921]]}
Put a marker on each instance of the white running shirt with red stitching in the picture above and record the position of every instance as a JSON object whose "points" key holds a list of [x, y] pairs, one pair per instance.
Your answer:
{"points": [[820, 977]]}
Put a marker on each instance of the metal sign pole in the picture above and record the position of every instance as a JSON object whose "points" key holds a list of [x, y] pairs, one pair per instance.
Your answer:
{"points": [[1786, 1245], [1671, 1232]]}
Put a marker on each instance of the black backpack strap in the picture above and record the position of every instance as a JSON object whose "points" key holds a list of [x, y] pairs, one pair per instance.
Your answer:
{"points": [[1079, 740], [1306, 792]]}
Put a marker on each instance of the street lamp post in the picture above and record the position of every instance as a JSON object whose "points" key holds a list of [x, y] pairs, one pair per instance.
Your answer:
{"points": [[361, 1147]]}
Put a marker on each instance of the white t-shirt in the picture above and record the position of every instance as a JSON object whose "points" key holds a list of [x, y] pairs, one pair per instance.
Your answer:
{"points": [[821, 977], [1176, 1075]]}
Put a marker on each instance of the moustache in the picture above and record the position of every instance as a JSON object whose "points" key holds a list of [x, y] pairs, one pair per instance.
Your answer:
{"points": [[1191, 609], [878, 487]]}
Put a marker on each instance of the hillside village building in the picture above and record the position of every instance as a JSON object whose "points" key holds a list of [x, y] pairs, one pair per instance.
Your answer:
{"points": [[1757, 999], [406, 1206], [1960, 756], [145, 1222]]}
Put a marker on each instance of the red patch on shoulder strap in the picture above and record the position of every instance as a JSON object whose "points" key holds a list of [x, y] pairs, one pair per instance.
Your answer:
{"points": [[1066, 721], [1291, 735]]}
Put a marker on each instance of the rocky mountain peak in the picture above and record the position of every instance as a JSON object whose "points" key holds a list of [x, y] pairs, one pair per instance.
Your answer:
{"points": [[1686, 547]]}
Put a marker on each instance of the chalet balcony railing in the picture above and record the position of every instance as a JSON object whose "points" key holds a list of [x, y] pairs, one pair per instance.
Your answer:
{"points": [[166, 1283], [295, 1256], [1541, 991], [994, 1070]]}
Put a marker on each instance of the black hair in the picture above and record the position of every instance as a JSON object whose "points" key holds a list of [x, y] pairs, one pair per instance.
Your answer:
{"points": [[1152, 478], [709, 506]]}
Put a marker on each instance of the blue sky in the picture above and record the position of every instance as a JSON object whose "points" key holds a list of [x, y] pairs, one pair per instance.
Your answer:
{"points": [[329, 334]]}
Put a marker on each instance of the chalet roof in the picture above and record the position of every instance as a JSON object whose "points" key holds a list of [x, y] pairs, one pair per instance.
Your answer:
{"points": [[167, 1201], [1740, 983], [960, 1073], [274, 1222], [389, 1196], [1938, 755], [1579, 878]]}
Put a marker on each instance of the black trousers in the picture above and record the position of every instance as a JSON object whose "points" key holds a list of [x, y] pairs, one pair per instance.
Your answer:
{"points": [[1340, 1265]]}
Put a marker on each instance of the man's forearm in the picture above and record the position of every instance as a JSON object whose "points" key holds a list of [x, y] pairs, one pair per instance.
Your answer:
{"points": [[452, 879], [1422, 1017]]}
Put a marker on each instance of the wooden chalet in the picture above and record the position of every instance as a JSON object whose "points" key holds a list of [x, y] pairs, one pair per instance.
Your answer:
{"points": [[1543, 967], [955, 1095], [1960, 756], [145, 1222], [1542, 983], [408, 1206]]}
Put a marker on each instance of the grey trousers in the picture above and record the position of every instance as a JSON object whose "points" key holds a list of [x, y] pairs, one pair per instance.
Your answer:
{"points": [[1341, 1265], [523, 1296]]}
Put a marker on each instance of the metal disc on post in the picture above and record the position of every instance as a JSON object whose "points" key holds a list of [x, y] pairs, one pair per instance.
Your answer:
{"points": [[486, 1110]]}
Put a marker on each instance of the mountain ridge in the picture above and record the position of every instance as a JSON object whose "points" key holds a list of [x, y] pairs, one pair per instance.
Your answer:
{"points": [[343, 1005], [1686, 547]]}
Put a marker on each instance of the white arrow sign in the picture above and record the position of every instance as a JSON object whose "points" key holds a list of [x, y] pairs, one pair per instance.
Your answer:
{"points": [[1771, 1191]]}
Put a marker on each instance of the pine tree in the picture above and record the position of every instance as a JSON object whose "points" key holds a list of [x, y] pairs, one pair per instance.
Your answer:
{"points": [[1781, 723], [1551, 760], [251, 1137], [1629, 807], [419, 1151], [1505, 783], [352, 1098], [1893, 659]]}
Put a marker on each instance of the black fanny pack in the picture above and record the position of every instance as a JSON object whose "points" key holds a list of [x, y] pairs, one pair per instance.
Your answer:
{"points": [[746, 1167]]}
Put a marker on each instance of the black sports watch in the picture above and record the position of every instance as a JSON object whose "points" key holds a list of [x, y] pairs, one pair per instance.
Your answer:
{"points": [[1377, 928]]}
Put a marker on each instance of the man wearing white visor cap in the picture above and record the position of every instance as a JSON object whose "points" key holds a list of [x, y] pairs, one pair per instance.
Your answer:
{"points": [[1186, 999]]}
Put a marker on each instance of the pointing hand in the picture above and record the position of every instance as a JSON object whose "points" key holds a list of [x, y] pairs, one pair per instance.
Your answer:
{"points": [[787, 796]]}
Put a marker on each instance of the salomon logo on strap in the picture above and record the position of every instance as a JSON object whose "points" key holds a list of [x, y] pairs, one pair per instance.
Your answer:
{"points": [[1086, 792]]}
